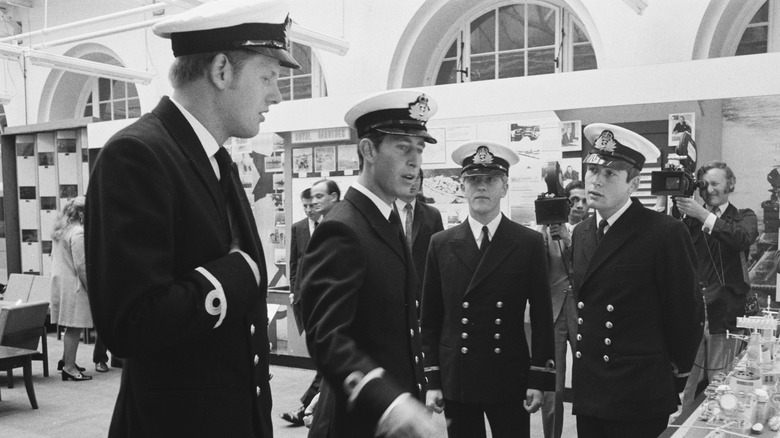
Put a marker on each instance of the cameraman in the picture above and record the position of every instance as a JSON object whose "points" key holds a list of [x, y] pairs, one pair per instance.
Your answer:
{"points": [[557, 238], [722, 236]]}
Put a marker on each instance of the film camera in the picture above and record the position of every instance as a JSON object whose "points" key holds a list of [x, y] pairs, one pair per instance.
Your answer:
{"points": [[552, 207], [678, 180]]}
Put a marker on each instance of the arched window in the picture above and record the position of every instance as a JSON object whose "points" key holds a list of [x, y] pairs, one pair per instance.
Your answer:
{"points": [[306, 82], [513, 40], [109, 99], [756, 38]]}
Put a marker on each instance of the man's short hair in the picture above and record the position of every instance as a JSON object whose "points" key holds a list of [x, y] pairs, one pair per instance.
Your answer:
{"points": [[306, 194], [376, 138], [331, 186], [188, 68], [573, 186], [632, 173], [731, 179]]}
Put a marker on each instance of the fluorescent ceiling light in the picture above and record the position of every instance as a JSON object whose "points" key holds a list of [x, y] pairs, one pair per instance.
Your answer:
{"points": [[89, 68]]}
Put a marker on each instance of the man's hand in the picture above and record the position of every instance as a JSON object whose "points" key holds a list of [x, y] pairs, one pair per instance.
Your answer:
{"points": [[434, 400], [560, 231], [408, 418], [690, 207], [533, 400]]}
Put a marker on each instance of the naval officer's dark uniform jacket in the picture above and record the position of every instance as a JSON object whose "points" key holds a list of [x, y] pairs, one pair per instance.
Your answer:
{"points": [[359, 309], [188, 317], [637, 314], [472, 318]]}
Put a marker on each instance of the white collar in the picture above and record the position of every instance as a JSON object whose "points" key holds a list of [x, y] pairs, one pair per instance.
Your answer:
{"points": [[611, 221], [384, 208], [476, 227], [207, 140], [400, 204]]}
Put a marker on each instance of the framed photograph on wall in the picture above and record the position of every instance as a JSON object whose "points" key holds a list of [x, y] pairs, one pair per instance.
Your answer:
{"points": [[348, 158], [275, 162], [571, 135], [325, 159], [679, 123], [302, 160]]}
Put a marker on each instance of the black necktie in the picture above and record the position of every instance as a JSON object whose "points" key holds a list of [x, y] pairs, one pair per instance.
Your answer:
{"points": [[602, 226], [483, 246], [225, 164], [395, 219]]}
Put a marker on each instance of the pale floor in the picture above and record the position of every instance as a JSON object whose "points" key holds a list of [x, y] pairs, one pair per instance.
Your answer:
{"points": [[83, 409]]}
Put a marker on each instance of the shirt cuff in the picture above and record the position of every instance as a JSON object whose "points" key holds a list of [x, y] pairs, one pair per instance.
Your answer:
{"points": [[709, 223]]}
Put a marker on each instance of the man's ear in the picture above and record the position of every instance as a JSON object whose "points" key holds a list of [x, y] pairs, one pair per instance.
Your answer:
{"points": [[220, 71], [367, 150]]}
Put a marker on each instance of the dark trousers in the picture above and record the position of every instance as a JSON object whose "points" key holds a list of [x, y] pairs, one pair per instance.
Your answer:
{"points": [[467, 420], [100, 353], [590, 427], [312, 390]]}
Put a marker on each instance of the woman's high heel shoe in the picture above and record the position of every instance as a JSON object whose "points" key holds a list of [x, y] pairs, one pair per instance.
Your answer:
{"points": [[61, 364], [78, 377]]}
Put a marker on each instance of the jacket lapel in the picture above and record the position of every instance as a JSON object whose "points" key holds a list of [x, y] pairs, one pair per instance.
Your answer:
{"points": [[419, 213], [500, 247], [617, 235], [464, 247], [387, 231]]}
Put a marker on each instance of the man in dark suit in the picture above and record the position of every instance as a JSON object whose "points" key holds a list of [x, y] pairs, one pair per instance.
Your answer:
{"points": [[358, 283], [325, 194], [299, 238], [175, 265], [722, 235], [479, 278], [420, 221], [634, 279]]}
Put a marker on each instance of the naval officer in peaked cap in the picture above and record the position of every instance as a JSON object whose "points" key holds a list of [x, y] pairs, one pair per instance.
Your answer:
{"points": [[479, 278], [634, 284], [358, 283], [175, 265]]}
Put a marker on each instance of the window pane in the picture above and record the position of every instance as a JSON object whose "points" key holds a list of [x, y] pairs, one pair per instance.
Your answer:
{"points": [[541, 62], [754, 40], [510, 65], [762, 16], [579, 35], [88, 110], [584, 58], [302, 88], [105, 111], [483, 68], [302, 54], [453, 50], [119, 89], [541, 26], [285, 72], [511, 25], [104, 90], [284, 88], [131, 90], [447, 73], [483, 33], [133, 108], [119, 110]]}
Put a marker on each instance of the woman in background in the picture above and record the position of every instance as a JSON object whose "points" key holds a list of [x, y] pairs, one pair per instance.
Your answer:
{"points": [[69, 301]]}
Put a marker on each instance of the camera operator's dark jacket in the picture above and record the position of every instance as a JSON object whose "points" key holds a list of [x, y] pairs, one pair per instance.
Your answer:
{"points": [[724, 251]]}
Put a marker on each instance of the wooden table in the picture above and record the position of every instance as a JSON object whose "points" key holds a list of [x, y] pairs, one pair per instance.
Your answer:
{"points": [[11, 357]]}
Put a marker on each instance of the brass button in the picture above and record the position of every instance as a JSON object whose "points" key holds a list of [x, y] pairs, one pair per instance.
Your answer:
{"points": [[258, 391], [465, 304], [608, 325], [607, 341], [606, 358], [252, 329], [417, 303], [579, 321], [464, 350], [416, 359], [419, 387], [610, 308], [464, 335], [257, 359], [499, 304], [579, 337], [411, 332], [498, 321], [580, 305], [497, 336], [497, 351], [578, 355], [464, 321]]}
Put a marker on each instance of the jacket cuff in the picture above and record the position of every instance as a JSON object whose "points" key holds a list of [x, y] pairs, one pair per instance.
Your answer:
{"points": [[433, 377], [542, 378]]}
